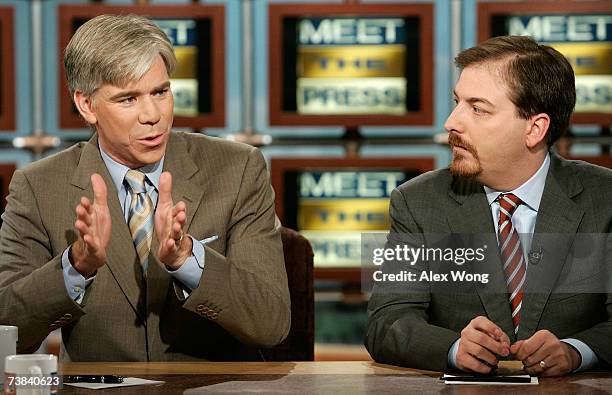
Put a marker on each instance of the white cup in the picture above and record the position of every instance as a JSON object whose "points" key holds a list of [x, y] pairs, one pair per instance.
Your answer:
{"points": [[30, 374], [8, 344]]}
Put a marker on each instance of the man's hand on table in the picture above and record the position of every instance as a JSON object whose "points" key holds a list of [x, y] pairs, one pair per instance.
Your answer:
{"points": [[543, 354], [480, 345]]}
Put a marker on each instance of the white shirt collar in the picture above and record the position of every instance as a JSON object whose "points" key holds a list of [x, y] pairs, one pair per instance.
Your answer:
{"points": [[531, 190]]}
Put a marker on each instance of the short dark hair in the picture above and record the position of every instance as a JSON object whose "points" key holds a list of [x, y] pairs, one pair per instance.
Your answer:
{"points": [[539, 78]]}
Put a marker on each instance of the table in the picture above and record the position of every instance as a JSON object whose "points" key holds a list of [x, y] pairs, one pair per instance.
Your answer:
{"points": [[354, 377]]}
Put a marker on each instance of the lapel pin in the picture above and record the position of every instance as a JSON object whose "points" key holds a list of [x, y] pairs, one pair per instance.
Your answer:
{"points": [[534, 257]]}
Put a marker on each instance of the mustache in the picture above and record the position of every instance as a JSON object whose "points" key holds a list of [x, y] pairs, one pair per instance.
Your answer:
{"points": [[455, 140]]}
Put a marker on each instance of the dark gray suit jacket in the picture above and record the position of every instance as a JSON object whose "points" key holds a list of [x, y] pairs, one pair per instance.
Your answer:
{"points": [[417, 329], [241, 303]]}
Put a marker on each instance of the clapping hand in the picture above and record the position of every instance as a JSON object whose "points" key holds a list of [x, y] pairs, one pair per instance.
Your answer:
{"points": [[93, 223], [174, 246]]}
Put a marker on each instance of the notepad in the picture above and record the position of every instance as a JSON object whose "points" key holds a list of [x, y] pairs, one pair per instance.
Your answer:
{"points": [[127, 382], [523, 379], [507, 373]]}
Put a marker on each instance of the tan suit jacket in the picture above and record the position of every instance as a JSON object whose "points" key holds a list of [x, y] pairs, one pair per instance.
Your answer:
{"points": [[241, 303]]}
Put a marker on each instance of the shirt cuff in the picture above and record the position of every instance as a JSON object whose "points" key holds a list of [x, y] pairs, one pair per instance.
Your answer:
{"points": [[452, 355], [589, 358], [73, 280], [190, 272]]}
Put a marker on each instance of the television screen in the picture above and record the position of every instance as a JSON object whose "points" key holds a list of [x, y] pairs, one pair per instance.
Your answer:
{"points": [[341, 64], [335, 207], [352, 65], [2, 104], [7, 69], [332, 203], [582, 31], [196, 32], [189, 97]]}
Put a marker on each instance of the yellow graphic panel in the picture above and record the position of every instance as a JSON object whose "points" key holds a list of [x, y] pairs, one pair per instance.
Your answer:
{"points": [[343, 214], [587, 58], [186, 62], [349, 61]]}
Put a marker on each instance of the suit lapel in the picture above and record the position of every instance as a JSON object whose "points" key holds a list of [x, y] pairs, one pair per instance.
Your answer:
{"points": [[473, 217], [558, 218], [121, 255], [183, 170]]}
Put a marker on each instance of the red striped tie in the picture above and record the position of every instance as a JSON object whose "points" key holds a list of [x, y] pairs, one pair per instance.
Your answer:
{"points": [[512, 255]]}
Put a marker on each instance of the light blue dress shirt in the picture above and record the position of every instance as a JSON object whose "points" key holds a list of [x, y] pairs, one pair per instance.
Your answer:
{"points": [[188, 274], [524, 221]]}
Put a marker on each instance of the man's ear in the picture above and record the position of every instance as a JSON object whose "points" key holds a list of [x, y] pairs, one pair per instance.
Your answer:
{"points": [[84, 104], [537, 130]]}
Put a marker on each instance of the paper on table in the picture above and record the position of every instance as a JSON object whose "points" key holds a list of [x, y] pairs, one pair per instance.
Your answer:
{"points": [[506, 371], [127, 382], [533, 381]]}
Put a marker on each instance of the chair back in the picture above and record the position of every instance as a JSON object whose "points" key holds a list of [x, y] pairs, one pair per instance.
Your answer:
{"points": [[299, 344]]}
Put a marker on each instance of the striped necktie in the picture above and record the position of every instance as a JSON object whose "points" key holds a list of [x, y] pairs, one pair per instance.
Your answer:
{"points": [[511, 253], [140, 216]]}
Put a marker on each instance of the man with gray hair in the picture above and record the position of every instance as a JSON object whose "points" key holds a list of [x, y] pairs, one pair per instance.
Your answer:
{"points": [[141, 244]]}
